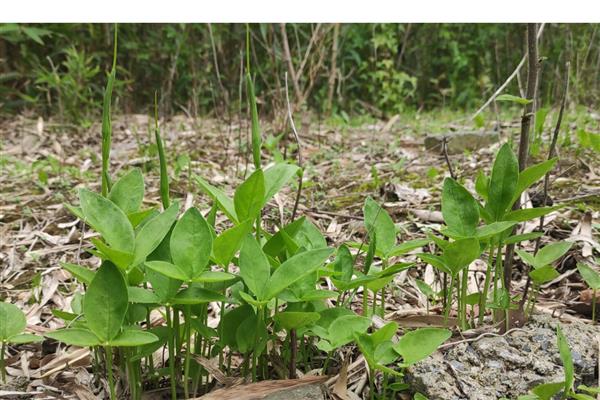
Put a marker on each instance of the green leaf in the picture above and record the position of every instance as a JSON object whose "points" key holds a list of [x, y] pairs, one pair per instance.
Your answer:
{"points": [[482, 185], [567, 359], [513, 99], [342, 330], [229, 242], [248, 197], [141, 296], [494, 229], [136, 218], [419, 344], [131, 337], [425, 288], [277, 243], [526, 214], [120, 259], [547, 391], [153, 232], [526, 257], [214, 277], [255, 269], [276, 177], [407, 246], [459, 208], [25, 338], [198, 295], [105, 302], [191, 243], [82, 274], [294, 269], [75, 336], [309, 236], [344, 264], [532, 174], [543, 274], [128, 192], [231, 321], [224, 202], [460, 253], [378, 222], [295, 319], [523, 237], [435, 261], [164, 286], [591, 390], [589, 275], [108, 219], [503, 182], [12, 321], [550, 253], [167, 269]]}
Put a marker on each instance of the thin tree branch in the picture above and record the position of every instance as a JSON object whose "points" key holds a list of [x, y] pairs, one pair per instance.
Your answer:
{"points": [[297, 137], [509, 79]]}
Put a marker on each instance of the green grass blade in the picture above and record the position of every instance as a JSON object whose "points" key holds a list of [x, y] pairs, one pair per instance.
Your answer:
{"points": [[256, 139], [106, 122], [164, 177]]}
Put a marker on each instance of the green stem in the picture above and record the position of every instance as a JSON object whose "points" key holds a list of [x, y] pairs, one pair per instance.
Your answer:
{"points": [[448, 301], [186, 368], [2, 366], [109, 372], [486, 285], [594, 306], [255, 351], [171, 346], [463, 296], [371, 384], [365, 301]]}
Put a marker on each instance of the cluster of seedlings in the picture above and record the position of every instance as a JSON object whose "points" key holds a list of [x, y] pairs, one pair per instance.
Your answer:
{"points": [[267, 286]]}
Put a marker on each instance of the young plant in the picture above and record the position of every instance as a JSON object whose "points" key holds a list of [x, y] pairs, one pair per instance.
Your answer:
{"points": [[12, 325], [105, 308], [592, 278], [549, 391], [379, 350], [541, 263]]}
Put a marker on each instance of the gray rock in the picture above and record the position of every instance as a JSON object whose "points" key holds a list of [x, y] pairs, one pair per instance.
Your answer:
{"points": [[458, 142], [495, 367]]}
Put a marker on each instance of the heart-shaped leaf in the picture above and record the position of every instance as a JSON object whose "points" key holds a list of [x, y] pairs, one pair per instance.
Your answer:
{"points": [[379, 223], [294, 269], [75, 336], [459, 208], [153, 232], [460, 253], [229, 242], [503, 183], [550, 253], [128, 192], [543, 274], [255, 269], [248, 197], [108, 219], [12, 321], [105, 302], [590, 276], [191, 243], [417, 345], [295, 319]]}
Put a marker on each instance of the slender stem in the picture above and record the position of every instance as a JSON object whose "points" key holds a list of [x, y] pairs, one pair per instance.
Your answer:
{"points": [[109, 372], [448, 301], [486, 284], [365, 301], [186, 369], [255, 351], [594, 306], [171, 354], [293, 353], [2, 366], [371, 384], [463, 296]]}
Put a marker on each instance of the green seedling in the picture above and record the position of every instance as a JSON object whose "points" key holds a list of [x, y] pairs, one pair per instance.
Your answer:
{"points": [[12, 325], [542, 271], [380, 350], [592, 278], [549, 391], [105, 307]]}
